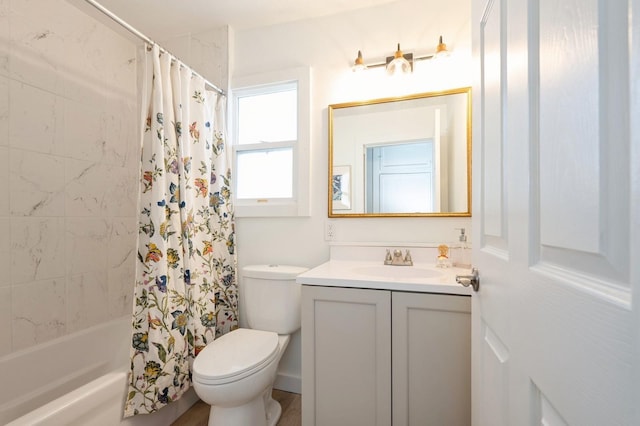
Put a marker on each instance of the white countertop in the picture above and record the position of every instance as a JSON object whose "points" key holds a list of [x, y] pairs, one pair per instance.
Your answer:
{"points": [[419, 278]]}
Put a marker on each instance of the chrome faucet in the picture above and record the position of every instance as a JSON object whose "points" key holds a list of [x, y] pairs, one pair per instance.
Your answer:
{"points": [[397, 259]]}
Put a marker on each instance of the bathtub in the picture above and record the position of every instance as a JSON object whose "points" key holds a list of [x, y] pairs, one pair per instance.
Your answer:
{"points": [[79, 379]]}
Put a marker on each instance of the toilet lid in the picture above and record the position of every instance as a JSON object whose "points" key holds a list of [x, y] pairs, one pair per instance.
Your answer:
{"points": [[235, 353]]}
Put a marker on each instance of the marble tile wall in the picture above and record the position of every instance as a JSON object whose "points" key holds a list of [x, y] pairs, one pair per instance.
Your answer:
{"points": [[68, 172]]}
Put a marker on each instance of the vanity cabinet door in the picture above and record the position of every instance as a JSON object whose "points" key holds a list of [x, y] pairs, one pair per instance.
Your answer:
{"points": [[346, 357], [431, 354]]}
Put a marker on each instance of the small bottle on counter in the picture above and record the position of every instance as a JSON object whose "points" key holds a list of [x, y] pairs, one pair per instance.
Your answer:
{"points": [[443, 256]]}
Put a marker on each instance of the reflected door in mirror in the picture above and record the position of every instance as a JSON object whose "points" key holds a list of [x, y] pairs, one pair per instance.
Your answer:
{"points": [[400, 178]]}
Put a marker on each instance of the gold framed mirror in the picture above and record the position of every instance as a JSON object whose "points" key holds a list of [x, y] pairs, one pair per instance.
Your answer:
{"points": [[401, 157]]}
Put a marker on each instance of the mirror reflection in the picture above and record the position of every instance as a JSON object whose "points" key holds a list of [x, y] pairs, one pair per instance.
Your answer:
{"points": [[406, 156]]}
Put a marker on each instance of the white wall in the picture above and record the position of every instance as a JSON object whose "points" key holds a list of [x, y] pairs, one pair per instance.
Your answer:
{"points": [[329, 45]]}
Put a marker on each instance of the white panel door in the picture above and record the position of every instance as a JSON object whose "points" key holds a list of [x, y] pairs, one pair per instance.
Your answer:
{"points": [[556, 323]]}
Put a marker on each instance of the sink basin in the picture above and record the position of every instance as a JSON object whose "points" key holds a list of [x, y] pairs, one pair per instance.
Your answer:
{"points": [[395, 272]]}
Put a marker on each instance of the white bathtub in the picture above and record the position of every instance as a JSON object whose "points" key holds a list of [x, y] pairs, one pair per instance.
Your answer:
{"points": [[79, 379]]}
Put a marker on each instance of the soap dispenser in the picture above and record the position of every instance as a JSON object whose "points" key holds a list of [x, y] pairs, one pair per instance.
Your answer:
{"points": [[464, 252]]}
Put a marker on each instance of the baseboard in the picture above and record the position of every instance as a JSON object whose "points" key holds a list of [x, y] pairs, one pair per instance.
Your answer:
{"points": [[288, 383]]}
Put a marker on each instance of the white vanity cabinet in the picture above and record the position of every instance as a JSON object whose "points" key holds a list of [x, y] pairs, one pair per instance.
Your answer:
{"points": [[381, 357]]}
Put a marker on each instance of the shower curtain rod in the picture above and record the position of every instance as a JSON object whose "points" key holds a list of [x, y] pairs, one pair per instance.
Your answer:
{"points": [[146, 39]]}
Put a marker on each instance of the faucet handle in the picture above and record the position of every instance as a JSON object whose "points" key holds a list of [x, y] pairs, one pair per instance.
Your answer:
{"points": [[387, 258]]}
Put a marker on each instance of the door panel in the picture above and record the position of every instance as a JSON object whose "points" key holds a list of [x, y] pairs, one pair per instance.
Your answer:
{"points": [[548, 415], [494, 361], [569, 128], [557, 265], [583, 152], [493, 198]]}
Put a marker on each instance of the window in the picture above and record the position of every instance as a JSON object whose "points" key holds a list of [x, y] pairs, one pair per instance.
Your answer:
{"points": [[270, 116]]}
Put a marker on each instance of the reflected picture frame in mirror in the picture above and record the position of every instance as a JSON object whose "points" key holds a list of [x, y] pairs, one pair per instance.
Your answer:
{"points": [[407, 156]]}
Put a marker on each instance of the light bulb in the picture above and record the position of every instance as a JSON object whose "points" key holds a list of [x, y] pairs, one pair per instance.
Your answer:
{"points": [[399, 64]]}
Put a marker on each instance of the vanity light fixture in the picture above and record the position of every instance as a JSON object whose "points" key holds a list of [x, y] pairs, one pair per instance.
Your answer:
{"points": [[400, 62]]}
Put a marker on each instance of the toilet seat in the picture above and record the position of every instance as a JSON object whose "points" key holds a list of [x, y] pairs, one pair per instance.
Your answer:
{"points": [[235, 355]]}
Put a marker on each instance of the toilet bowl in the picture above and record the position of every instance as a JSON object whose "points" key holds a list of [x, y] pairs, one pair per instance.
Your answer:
{"points": [[235, 373]]}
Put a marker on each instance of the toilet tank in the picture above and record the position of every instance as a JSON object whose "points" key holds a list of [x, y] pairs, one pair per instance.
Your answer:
{"points": [[272, 297]]}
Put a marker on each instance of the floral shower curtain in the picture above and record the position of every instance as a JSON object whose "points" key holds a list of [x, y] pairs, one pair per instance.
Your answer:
{"points": [[185, 292]]}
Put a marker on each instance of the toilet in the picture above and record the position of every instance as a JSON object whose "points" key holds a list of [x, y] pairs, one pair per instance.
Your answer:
{"points": [[234, 374]]}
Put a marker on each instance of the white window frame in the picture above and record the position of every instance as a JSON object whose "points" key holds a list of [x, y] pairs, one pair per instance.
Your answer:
{"points": [[299, 203]]}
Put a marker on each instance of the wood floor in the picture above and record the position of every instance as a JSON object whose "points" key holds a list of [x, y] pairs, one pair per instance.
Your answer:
{"points": [[198, 415]]}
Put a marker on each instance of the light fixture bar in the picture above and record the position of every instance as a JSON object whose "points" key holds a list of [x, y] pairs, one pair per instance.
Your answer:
{"points": [[384, 64], [441, 50]]}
